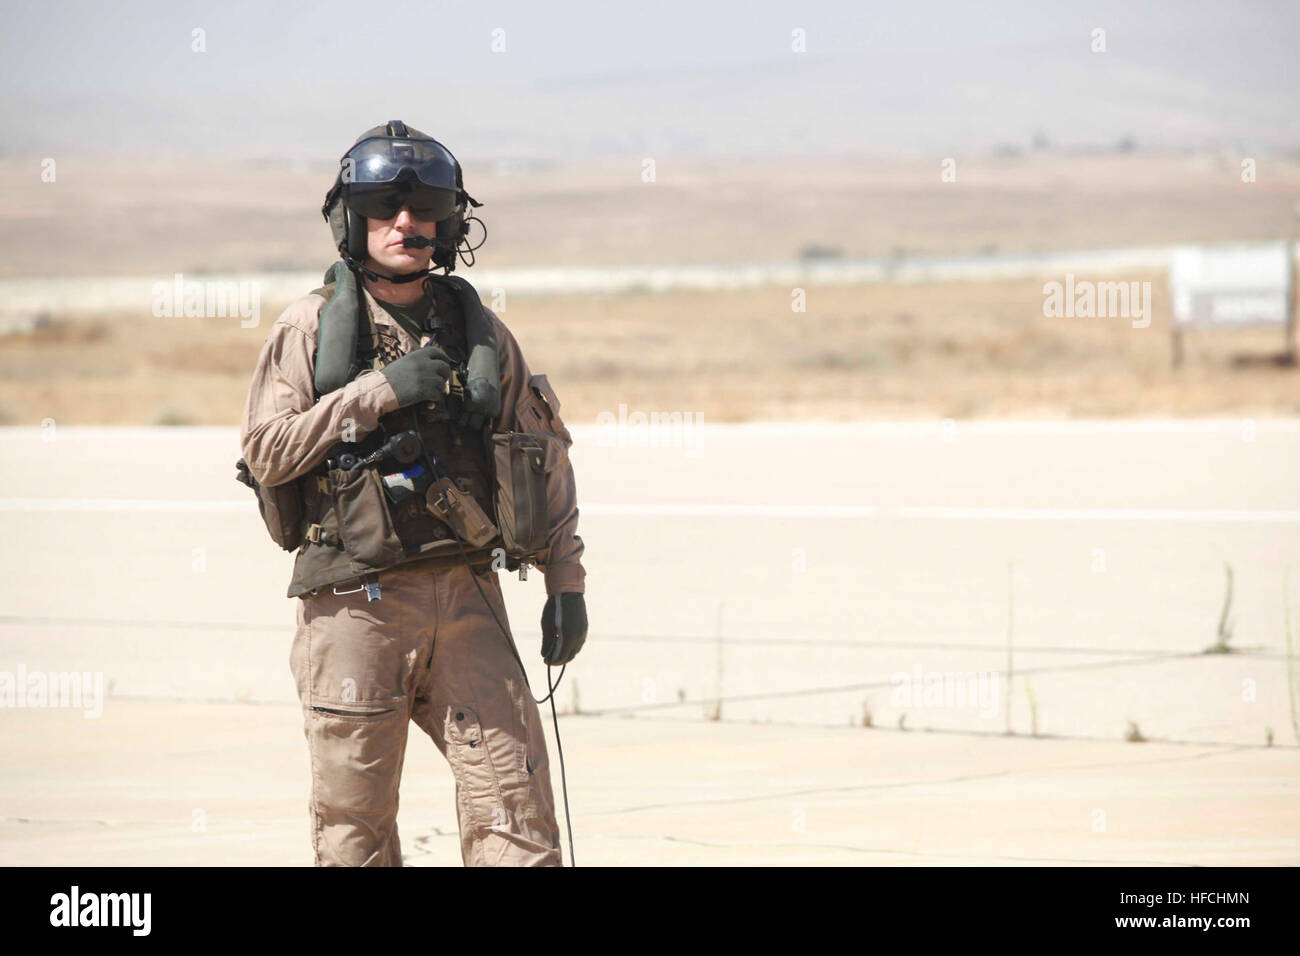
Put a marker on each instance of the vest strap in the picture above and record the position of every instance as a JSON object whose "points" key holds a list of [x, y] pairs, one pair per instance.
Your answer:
{"points": [[317, 534]]}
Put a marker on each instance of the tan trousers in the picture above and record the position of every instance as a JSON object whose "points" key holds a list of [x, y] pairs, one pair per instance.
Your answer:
{"points": [[427, 651]]}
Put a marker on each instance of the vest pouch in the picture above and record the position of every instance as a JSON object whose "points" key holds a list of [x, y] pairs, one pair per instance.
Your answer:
{"points": [[365, 523], [281, 507], [522, 518], [461, 512]]}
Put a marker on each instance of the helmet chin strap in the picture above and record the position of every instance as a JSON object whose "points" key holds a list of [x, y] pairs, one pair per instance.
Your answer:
{"points": [[374, 276], [409, 242]]}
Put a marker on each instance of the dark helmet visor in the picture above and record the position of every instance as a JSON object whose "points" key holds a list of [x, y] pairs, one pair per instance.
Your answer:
{"points": [[386, 160], [385, 200]]}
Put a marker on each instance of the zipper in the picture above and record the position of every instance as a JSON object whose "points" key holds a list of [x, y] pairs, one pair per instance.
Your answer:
{"points": [[332, 712]]}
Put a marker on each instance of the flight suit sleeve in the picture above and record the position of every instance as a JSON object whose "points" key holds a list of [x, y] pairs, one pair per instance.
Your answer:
{"points": [[528, 403], [286, 432]]}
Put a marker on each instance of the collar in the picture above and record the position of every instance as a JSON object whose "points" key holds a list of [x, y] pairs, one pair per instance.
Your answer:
{"points": [[379, 318]]}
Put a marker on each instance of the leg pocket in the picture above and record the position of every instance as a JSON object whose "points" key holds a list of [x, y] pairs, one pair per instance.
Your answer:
{"points": [[357, 759], [506, 812], [478, 788]]}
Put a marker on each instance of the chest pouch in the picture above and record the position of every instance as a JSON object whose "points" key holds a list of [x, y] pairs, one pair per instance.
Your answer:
{"points": [[365, 520], [520, 462]]}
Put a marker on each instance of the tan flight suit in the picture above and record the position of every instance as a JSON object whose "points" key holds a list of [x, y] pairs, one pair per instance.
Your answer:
{"points": [[428, 650]]}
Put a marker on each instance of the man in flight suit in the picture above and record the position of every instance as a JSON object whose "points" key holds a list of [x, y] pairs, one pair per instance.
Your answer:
{"points": [[400, 614]]}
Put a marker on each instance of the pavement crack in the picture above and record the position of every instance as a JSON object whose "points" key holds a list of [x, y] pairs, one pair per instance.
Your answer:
{"points": [[751, 798], [965, 778]]}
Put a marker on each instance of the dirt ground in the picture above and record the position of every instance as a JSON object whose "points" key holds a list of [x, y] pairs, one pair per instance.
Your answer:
{"points": [[140, 216]]}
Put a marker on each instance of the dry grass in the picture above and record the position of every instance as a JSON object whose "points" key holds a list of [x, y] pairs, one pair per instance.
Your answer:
{"points": [[960, 350]]}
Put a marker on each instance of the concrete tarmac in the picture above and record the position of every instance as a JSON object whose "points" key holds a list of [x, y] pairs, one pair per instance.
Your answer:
{"points": [[797, 582]]}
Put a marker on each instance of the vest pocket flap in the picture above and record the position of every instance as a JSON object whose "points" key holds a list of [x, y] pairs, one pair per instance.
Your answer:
{"points": [[538, 410], [365, 523], [542, 385]]}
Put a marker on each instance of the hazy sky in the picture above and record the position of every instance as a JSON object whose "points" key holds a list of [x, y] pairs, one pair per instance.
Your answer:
{"points": [[580, 79]]}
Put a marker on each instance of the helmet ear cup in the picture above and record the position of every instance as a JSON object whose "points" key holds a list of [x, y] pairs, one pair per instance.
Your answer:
{"points": [[453, 227], [336, 216], [348, 229], [357, 245]]}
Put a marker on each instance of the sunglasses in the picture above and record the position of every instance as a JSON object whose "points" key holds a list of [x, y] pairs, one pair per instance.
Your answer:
{"points": [[385, 201]]}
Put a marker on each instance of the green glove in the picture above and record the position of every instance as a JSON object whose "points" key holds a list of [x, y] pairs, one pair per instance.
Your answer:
{"points": [[419, 376]]}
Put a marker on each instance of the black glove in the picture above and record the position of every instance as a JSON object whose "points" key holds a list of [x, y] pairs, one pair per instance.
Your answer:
{"points": [[419, 376], [572, 628]]}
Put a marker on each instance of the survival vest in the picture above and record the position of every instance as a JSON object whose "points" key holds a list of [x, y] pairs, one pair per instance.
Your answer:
{"points": [[427, 475]]}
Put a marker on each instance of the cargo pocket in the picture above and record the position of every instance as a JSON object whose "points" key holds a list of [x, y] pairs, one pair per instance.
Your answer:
{"points": [[356, 757], [365, 523], [476, 777]]}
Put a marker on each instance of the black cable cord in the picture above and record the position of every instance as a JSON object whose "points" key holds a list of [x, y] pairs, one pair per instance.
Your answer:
{"points": [[555, 719], [559, 748], [463, 247]]}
